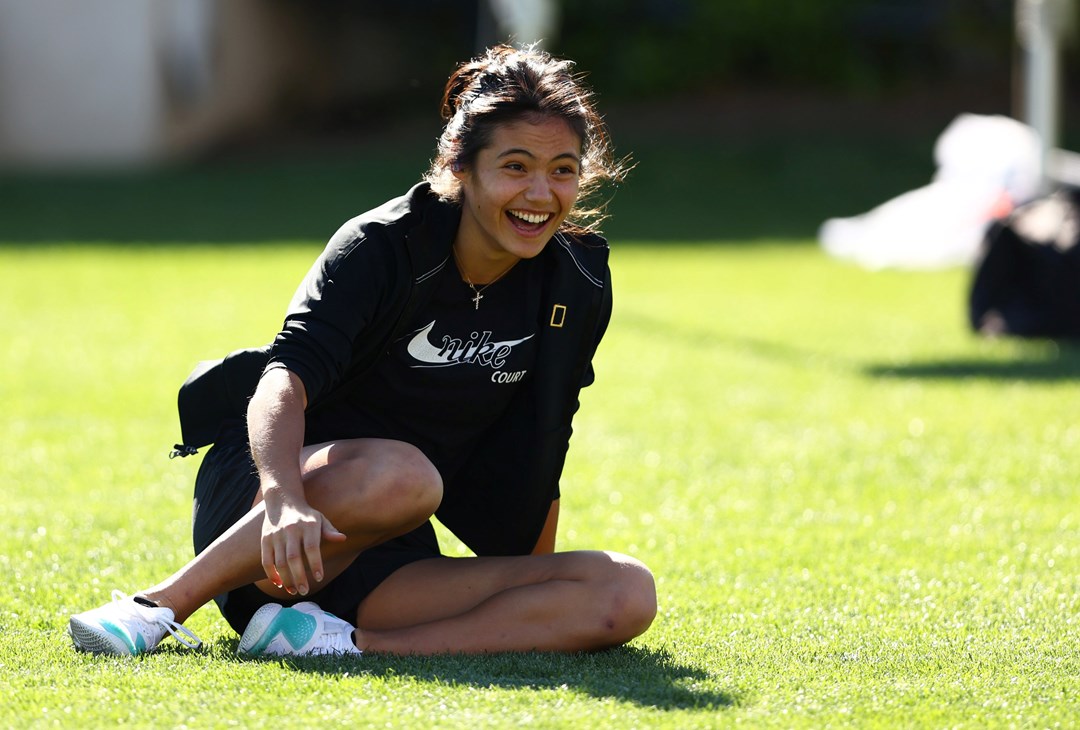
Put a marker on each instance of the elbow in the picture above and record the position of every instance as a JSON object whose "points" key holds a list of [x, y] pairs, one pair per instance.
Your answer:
{"points": [[278, 388]]}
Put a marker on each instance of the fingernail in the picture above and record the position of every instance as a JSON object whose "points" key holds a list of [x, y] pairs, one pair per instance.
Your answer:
{"points": [[303, 590], [318, 577]]}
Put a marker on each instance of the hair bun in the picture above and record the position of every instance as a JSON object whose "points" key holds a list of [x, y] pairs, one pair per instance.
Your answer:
{"points": [[469, 74], [459, 81]]}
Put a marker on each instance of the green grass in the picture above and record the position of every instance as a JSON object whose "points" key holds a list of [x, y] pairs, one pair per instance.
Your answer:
{"points": [[858, 513]]}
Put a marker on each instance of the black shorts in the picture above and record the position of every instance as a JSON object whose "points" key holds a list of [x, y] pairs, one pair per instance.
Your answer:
{"points": [[225, 488]]}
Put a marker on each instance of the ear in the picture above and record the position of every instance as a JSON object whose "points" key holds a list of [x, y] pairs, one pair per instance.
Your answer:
{"points": [[458, 170]]}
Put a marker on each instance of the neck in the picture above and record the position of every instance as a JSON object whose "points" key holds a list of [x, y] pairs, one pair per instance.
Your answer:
{"points": [[476, 268]]}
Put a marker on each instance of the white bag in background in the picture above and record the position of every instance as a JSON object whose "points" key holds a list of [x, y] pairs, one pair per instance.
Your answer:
{"points": [[986, 165]]}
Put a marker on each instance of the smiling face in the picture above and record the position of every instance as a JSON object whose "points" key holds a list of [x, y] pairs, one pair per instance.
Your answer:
{"points": [[516, 194]]}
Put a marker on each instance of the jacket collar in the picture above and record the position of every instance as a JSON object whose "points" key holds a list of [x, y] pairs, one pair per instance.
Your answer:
{"points": [[431, 235]]}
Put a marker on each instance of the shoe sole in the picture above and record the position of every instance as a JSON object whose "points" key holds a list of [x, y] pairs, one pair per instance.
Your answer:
{"points": [[90, 638], [261, 629]]}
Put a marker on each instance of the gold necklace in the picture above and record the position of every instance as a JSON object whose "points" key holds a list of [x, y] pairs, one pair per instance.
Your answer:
{"points": [[478, 293]]}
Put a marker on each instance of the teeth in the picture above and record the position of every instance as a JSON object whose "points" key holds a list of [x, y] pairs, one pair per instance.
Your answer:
{"points": [[530, 217]]}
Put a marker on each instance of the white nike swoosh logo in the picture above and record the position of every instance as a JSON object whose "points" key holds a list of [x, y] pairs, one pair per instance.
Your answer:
{"points": [[457, 352]]}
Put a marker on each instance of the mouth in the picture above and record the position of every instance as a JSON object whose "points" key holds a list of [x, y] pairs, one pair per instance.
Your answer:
{"points": [[528, 222]]}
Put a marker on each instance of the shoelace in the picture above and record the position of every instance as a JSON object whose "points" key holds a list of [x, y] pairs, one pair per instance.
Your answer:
{"points": [[339, 632], [152, 616]]}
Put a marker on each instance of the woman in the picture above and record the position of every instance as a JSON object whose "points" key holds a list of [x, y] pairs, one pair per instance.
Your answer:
{"points": [[430, 364]]}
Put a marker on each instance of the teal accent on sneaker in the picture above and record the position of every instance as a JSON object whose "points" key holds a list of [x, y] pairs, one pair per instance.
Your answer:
{"points": [[134, 648], [126, 627], [295, 627]]}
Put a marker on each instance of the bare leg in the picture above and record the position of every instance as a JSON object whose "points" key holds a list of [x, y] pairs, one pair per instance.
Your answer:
{"points": [[370, 489], [576, 601]]}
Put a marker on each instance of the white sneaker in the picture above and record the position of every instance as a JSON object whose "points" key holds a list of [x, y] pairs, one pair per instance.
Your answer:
{"points": [[126, 628], [300, 630]]}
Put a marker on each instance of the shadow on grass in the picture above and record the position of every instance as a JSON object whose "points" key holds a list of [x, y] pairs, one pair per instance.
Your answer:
{"points": [[1054, 362], [680, 190], [1059, 363], [235, 202], [642, 677], [703, 338]]}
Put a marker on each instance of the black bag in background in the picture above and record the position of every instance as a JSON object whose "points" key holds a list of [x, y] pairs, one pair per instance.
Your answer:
{"points": [[1027, 282], [217, 391]]}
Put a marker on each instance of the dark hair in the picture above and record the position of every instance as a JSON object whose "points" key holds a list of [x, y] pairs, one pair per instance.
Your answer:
{"points": [[508, 85]]}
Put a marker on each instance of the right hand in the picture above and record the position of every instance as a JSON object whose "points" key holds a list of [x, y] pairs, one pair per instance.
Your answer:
{"points": [[292, 535]]}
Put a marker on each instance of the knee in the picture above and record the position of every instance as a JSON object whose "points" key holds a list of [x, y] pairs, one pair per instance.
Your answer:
{"points": [[630, 592], [407, 481], [387, 487]]}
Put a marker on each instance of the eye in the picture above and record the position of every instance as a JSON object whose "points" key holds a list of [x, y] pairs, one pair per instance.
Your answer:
{"points": [[566, 170], [515, 166]]}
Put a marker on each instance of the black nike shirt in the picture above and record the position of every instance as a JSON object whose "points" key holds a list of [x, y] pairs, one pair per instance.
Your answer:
{"points": [[451, 376]]}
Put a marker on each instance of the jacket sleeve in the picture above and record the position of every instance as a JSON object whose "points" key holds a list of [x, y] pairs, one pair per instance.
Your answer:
{"points": [[601, 327], [345, 291], [589, 375]]}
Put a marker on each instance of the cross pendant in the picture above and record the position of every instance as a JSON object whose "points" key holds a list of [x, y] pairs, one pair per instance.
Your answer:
{"points": [[476, 300]]}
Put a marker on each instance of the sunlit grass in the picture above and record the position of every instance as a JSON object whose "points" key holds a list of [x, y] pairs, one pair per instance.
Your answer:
{"points": [[858, 513]]}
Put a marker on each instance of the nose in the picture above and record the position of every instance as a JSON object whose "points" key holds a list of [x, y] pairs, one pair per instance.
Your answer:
{"points": [[539, 189]]}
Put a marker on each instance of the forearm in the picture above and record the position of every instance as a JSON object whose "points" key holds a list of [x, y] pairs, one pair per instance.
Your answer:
{"points": [[276, 432]]}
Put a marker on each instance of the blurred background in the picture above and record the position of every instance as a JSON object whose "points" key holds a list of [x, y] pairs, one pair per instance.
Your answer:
{"points": [[228, 120]]}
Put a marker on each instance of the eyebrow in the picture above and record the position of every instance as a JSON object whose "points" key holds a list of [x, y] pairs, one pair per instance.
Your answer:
{"points": [[523, 151]]}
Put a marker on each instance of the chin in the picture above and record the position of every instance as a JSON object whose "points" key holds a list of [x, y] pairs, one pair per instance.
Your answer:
{"points": [[527, 248], [531, 250]]}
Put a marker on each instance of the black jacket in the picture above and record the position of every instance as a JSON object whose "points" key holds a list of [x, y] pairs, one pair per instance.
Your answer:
{"points": [[376, 271]]}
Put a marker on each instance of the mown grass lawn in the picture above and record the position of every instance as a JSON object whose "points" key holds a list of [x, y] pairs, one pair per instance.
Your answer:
{"points": [[858, 513]]}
